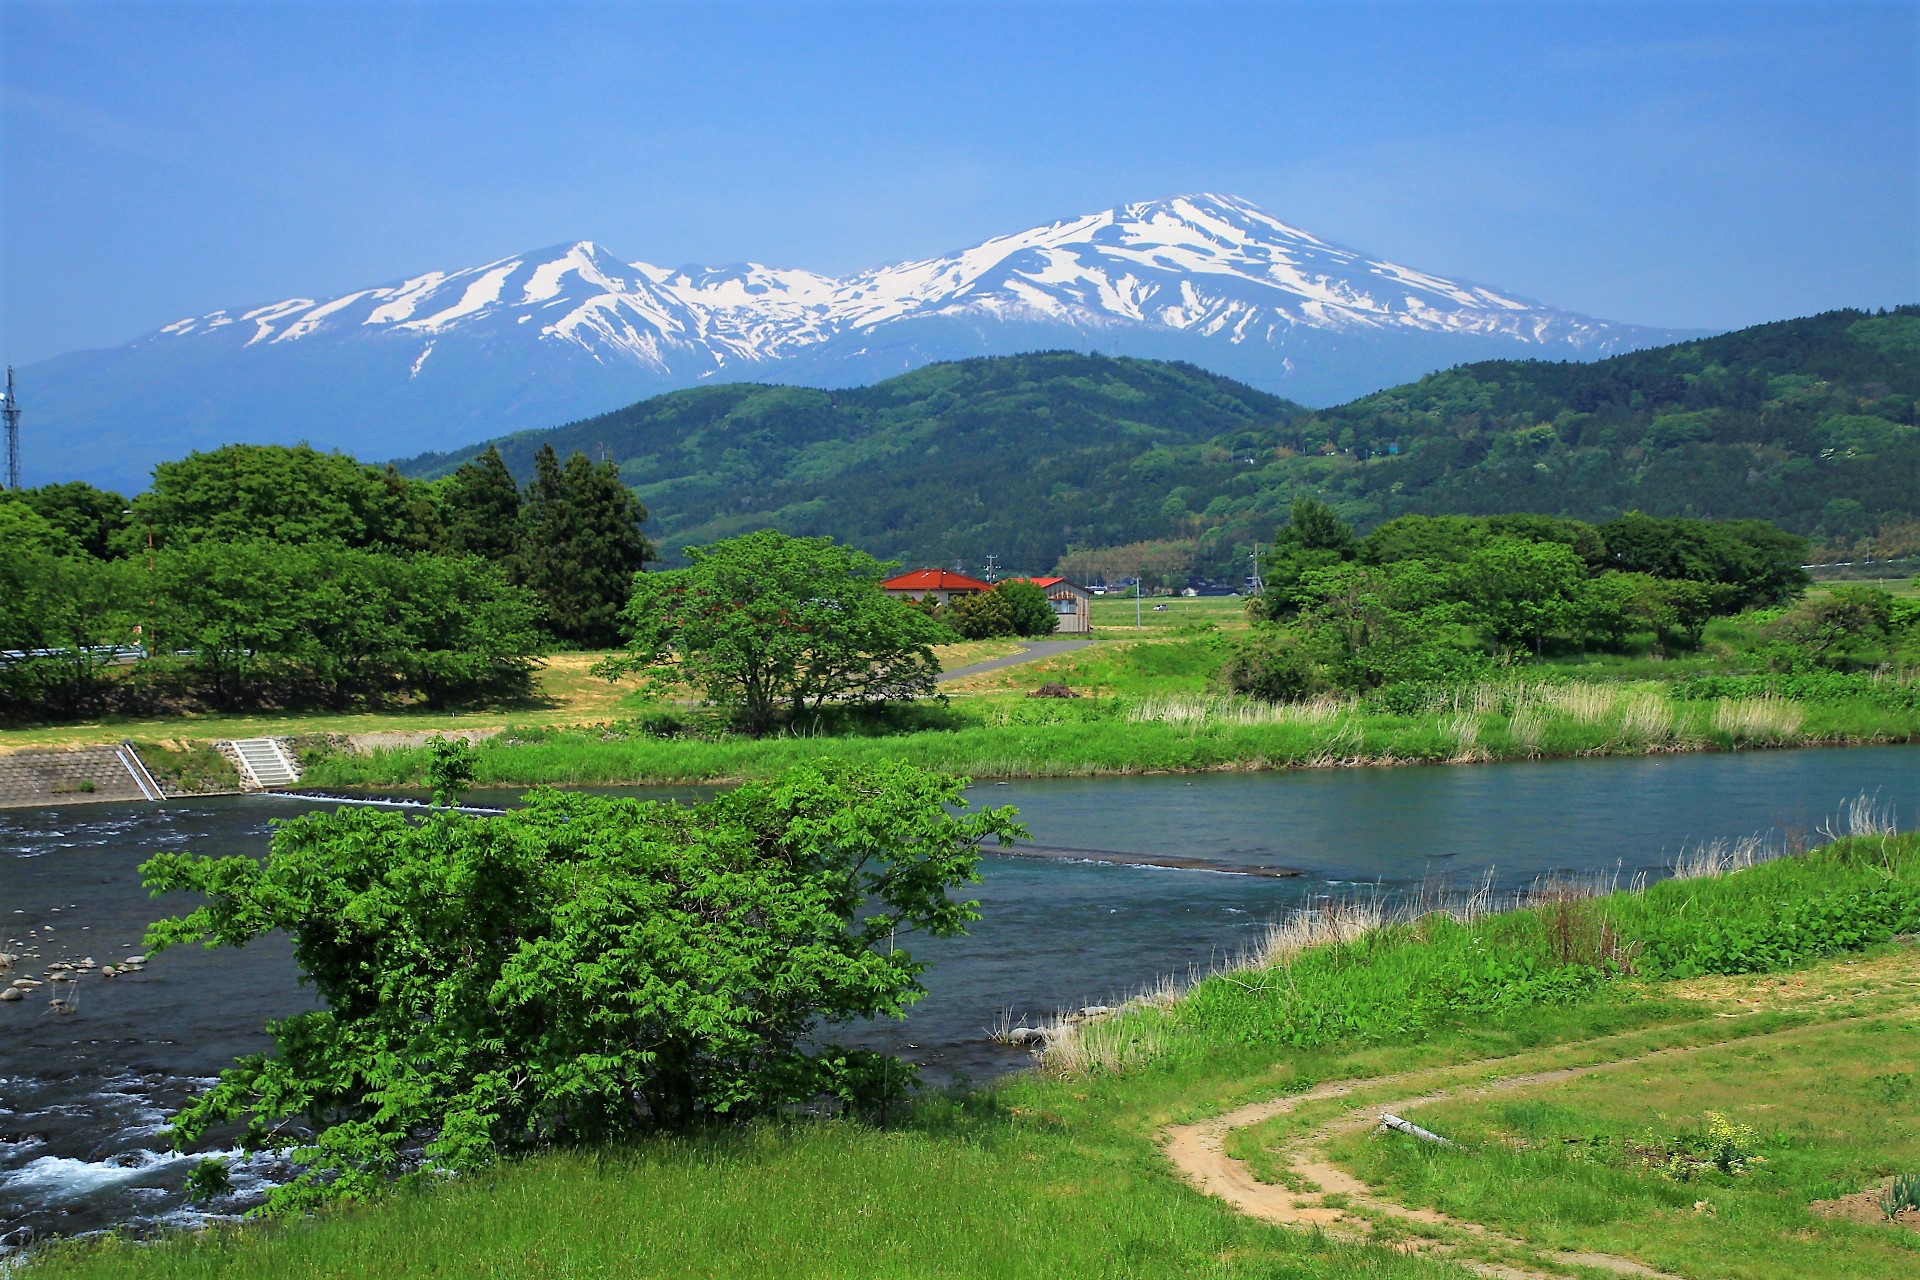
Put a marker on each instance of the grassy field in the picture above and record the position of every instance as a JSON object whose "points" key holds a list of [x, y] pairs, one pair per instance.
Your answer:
{"points": [[1083, 1169], [1012, 736], [564, 694]]}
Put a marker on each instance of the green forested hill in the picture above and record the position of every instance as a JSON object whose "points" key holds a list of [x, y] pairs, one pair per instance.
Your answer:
{"points": [[1015, 456], [1810, 423]]}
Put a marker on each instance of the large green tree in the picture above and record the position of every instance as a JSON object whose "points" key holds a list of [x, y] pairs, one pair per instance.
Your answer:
{"points": [[65, 619], [260, 621], [480, 509], [579, 970], [580, 545], [771, 626], [90, 516], [289, 495]]}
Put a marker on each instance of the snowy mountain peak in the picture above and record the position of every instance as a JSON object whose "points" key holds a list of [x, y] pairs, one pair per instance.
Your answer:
{"points": [[1211, 264], [446, 356]]}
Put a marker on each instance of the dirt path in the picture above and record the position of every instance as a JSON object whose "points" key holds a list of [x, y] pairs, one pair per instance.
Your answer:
{"points": [[1199, 1152], [1034, 651]]}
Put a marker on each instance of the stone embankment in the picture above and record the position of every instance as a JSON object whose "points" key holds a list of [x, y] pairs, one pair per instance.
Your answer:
{"points": [[74, 775]]}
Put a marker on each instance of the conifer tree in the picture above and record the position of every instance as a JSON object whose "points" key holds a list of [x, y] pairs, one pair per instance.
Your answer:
{"points": [[482, 505], [581, 545]]}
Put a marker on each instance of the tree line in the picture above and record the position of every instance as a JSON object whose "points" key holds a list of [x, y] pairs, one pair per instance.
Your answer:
{"points": [[258, 575], [1441, 598]]}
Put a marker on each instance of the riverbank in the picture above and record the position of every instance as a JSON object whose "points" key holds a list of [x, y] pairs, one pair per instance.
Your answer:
{"points": [[1017, 737], [1084, 1169]]}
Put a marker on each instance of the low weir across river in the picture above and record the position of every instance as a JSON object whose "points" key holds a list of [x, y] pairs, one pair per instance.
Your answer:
{"points": [[82, 1096]]}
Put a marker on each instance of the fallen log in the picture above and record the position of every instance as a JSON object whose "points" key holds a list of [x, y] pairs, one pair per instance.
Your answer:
{"points": [[1390, 1121]]}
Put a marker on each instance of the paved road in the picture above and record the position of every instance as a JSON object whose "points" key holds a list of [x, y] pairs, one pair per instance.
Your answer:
{"points": [[1034, 651]]}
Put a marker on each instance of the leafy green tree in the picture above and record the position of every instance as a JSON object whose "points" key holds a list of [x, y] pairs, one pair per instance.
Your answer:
{"points": [[1031, 611], [1273, 666], [480, 509], [1521, 592], [450, 768], [581, 545], [90, 516], [1313, 538], [769, 625], [1848, 627], [262, 623], [65, 615], [291, 495], [1012, 608], [580, 970], [22, 529], [979, 615], [1760, 563]]}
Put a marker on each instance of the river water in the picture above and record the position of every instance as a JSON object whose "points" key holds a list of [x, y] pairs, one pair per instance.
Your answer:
{"points": [[83, 1095]]}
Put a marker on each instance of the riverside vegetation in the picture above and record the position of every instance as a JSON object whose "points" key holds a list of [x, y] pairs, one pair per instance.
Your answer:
{"points": [[1430, 640], [1724, 987]]}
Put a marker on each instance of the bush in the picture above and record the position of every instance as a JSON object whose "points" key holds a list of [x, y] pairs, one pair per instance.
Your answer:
{"points": [[1272, 668], [579, 970]]}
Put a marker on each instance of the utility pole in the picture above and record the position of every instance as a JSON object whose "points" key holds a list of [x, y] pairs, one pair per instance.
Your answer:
{"points": [[993, 562], [1258, 586], [12, 415], [1138, 576]]}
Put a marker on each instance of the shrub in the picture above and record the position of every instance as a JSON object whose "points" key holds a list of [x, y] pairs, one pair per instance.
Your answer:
{"points": [[1270, 668], [579, 970]]}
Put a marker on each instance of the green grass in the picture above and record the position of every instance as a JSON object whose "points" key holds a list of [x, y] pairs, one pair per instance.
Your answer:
{"points": [[1578, 1165], [1011, 737], [964, 1193]]}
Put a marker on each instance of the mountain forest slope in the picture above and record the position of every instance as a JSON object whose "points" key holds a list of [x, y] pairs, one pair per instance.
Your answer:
{"points": [[1014, 456], [1811, 423]]}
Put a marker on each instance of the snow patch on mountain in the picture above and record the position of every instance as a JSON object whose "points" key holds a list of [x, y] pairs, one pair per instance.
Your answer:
{"points": [[1214, 266]]}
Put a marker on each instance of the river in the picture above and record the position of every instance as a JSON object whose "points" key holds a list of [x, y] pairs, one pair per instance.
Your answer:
{"points": [[83, 1096]]}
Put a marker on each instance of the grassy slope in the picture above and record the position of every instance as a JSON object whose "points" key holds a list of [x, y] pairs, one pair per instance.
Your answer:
{"points": [[1064, 1177]]}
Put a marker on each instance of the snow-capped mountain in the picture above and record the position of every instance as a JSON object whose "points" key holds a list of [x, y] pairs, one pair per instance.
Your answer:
{"points": [[446, 357]]}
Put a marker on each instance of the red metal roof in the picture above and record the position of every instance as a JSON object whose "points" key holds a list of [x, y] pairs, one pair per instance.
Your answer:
{"points": [[934, 580]]}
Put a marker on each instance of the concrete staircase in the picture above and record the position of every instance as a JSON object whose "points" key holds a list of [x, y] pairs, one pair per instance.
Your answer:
{"points": [[263, 763], [74, 775]]}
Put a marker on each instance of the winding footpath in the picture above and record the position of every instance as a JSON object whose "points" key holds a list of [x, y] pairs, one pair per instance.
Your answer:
{"points": [[1199, 1152]]}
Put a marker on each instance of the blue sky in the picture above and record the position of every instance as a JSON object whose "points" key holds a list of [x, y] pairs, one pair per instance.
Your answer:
{"points": [[1694, 165]]}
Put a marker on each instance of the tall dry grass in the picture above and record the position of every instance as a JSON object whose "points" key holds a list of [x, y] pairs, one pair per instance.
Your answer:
{"points": [[1198, 710], [1757, 719]]}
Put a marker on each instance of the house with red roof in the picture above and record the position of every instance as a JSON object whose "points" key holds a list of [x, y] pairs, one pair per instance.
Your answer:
{"points": [[942, 584], [1071, 601]]}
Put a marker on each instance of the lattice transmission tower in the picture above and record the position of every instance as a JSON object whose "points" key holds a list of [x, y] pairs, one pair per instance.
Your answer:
{"points": [[11, 412]]}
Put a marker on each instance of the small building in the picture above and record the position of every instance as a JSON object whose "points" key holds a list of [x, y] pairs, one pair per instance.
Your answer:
{"points": [[1072, 603], [942, 584]]}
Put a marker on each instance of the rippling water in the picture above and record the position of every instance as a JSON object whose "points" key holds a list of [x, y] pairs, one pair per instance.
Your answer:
{"points": [[83, 1096]]}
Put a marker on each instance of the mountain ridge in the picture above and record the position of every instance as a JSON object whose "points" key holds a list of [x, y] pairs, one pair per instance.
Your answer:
{"points": [[439, 358]]}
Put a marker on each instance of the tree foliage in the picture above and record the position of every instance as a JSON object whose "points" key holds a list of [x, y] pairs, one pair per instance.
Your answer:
{"points": [[772, 626], [297, 496], [578, 970], [481, 506], [1012, 608], [580, 545]]}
